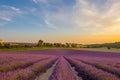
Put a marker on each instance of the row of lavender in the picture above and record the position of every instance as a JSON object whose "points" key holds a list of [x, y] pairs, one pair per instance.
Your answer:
{"points": [[108, 65], [62, 71], [24, 67], [19, 63], [90, 72]]}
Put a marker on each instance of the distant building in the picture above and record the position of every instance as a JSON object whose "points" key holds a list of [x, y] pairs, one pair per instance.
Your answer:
{"points": [[1, 42]]}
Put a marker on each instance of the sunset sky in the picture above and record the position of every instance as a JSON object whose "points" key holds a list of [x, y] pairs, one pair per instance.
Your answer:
{"points": [[78, 21]]}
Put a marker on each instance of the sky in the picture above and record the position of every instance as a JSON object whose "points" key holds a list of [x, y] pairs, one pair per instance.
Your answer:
{"points": [[74, 21]]}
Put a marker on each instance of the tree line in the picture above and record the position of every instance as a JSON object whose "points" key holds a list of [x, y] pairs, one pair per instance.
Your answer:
{"points": [[40, 43], [108, 45]]}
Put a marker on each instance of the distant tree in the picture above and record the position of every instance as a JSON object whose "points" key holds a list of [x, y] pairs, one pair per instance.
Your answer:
{"points": [[7, 45], [108, 48], [0, 45], [44, 44], [47, 44], [57, 45], [51, 45], [73, 45], [63, 45], [40, 43], [67, 45]]}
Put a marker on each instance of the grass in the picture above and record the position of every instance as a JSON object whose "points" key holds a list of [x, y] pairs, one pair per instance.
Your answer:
{"points": [[22, 49], [104, 49], [30, 48], [43, 48]]}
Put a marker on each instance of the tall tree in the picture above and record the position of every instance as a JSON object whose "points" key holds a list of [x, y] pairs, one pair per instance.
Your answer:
{"points": [[40, 43]]}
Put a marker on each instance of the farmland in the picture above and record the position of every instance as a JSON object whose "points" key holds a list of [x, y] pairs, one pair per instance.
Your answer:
{"points": [[59, 64]]}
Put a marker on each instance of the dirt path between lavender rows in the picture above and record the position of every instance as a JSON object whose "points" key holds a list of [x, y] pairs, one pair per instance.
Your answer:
{"points": [[46, 75]]}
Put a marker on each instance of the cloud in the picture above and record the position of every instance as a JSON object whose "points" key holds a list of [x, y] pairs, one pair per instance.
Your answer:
{"points": [[48, 23], [17, 10], [40, 1], [87, 15], [5, 18], [8, 12], [11, 8]]}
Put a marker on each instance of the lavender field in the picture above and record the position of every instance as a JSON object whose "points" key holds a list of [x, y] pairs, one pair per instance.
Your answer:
{"points": [[59, 64]]}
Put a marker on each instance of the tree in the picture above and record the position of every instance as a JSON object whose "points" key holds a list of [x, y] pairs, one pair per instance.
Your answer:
{"points": [[67, 45], [47, 44], [73, 45], [7, 45], [108, 48], [40, 43]]}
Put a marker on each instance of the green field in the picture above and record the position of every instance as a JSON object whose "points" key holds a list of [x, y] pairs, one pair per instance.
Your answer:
{"points": [[21, 49], [101, 49], [39, 48]]}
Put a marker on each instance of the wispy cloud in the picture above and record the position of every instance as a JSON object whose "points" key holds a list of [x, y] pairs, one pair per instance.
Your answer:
{"points": [[8, 12], [40, 1], [11, 8], [89, 16], [48, 23], [5, 18], [17, 10]]}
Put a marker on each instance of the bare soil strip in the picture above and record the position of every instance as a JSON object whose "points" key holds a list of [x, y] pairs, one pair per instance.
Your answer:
{"points": [[46, 75]]}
